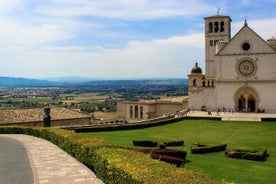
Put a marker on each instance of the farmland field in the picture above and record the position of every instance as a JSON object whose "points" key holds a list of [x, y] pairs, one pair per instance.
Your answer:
{"points": [[245, 135]]}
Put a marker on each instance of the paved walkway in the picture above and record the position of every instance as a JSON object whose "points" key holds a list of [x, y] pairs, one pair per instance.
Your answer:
{"points": [[15, 168], [51, 165]]}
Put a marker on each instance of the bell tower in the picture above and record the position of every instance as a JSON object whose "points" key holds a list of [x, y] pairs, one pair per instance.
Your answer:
{"points": [[217, 28]]}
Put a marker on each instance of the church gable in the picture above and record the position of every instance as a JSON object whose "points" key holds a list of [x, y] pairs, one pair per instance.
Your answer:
{"points": [[246, 41]]}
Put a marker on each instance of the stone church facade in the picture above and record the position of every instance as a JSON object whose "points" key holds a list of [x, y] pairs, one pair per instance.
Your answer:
{"points": [[240, 71]]}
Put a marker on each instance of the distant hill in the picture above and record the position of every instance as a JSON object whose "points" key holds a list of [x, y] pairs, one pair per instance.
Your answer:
{"points": [[140, 82], [13, 81], [67, 81], [70, 79]]}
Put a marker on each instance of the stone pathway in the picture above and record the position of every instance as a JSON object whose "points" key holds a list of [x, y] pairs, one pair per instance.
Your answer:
{"points": [[52, 165]]}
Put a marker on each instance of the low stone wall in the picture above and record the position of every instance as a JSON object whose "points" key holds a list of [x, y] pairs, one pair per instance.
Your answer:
{"points": [[54, 123]]}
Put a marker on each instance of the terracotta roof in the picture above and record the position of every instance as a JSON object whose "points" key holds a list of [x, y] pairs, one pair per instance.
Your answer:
{"points": [[29, 115]]}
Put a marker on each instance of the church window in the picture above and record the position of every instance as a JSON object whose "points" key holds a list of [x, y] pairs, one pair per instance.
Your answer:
{"points": [[245, 46], [131, 112], [211, 42], [195, 83], [216, 27], [221, 26], [136, 111], [210, 27], [215, 42], [203, 83]]}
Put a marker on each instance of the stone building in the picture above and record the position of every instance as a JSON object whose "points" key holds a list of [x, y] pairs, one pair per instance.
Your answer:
{"points": [[34, 117], [143, 110], [240, 71]]}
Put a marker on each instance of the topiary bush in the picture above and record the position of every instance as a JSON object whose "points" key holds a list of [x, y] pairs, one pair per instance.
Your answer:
{"points": [[257, 155], [202, 148], [148, 143], [171, 156], [144, 143]]}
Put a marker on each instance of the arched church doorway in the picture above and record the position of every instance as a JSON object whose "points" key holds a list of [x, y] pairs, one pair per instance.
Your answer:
{"points": [[251, 104], [241, 103], [246, 99]]}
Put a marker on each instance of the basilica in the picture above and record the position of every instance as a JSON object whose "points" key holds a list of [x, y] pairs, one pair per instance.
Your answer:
{"points": [[240, 71]]}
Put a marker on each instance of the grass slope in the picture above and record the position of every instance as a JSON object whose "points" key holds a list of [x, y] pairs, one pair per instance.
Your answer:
{"points": [[247, 135]]}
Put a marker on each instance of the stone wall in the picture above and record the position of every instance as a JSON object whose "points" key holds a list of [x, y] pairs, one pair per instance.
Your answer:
{"points": [[54, 123]]}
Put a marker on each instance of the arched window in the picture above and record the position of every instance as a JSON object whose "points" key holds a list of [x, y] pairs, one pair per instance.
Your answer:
{"points": [[195, 83], [221, 26], [131, 112], [210, 27], [216, 27], [141, 112], [136, 111]]}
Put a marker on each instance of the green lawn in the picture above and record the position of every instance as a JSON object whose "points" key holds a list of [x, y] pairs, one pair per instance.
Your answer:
{"points": [[248, 135]]}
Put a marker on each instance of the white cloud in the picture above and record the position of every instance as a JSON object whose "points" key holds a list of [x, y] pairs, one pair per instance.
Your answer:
{"points": [[42, 39], [263, 27], [125, 9], [172, 57]]}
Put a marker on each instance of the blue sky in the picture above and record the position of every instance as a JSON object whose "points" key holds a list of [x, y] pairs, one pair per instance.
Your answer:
{"points": [[116, 39]]}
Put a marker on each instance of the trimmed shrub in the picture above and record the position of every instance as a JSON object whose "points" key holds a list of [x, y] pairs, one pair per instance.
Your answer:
{"points": [[169, 159], [174, 143], [171, 152], [201, 148], [171, 156], [144, 143], [147, 143], [257, 155], [129, 166]]}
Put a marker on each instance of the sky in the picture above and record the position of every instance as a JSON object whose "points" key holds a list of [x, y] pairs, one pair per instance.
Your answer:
{"points": [[116, 39]]}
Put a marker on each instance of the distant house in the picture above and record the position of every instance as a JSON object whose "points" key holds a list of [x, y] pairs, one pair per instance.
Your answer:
{"points": [[143, 110], [34, 117]]}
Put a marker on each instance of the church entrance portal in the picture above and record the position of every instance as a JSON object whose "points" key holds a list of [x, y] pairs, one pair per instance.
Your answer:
{"points": [[241, 103], [251, 104], [246, 99]]}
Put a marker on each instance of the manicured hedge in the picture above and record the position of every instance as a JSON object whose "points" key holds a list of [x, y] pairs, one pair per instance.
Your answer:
{"points": [[142, 169], [113, 164], [171, 156], [148, 143], [145, 143], [257, 155], [201, 148], [174, 143]]}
